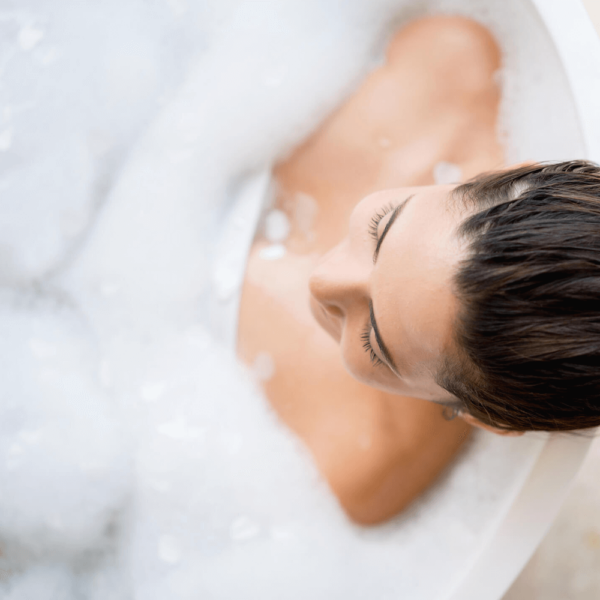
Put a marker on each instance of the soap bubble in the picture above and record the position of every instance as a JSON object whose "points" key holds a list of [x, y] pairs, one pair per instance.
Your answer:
{"points": [[272, 252], [277, 226], [445, 172]]}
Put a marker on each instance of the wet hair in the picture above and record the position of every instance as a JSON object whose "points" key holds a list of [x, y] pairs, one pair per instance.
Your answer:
{"points": [[526, 348]]}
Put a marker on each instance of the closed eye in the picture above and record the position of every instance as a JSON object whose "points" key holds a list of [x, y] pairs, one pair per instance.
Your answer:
{"points": [[372, 323], [395, 212], [376, 219], [366, 339]]}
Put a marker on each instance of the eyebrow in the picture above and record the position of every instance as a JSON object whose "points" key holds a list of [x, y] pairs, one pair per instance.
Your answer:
{"points": [[386, 353], [388, 226]]}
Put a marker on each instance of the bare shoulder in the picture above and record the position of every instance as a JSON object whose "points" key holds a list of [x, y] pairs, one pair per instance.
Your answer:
{"points": [[448, 46], [409, 445], [458, 36]]}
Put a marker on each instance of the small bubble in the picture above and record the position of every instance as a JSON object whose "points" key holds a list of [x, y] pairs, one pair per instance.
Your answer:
{"points": [[72, 222], [105, 374], [100, 142], [178, 7], [232, 442], [12, 464], [384, 142], [277, 226], [189, 126], [275, 76], [199, 338], [273, 252], [42, 349], [30, 436], [243, 528], [50, 56], [263, 366], [55, 522], [445, 172], [152, 391], [282, 533], [178, 429], [92, 467], [15, 450], [169, 549], [226, 281], [160, 486], [5, 140], [29, 37], [109, 289], [181, 156]]}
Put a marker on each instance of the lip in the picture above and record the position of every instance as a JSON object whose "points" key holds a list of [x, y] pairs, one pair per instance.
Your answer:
{"points": [[323, 318]]}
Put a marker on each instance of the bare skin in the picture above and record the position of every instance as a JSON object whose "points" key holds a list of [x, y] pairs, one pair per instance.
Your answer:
{"points": [[435, 99]]}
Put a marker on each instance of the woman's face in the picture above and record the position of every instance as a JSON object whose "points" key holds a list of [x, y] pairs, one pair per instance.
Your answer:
{"points": [[384, 293]]}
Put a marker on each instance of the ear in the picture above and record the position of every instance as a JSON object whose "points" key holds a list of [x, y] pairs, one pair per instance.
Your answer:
{"points": [[471, 420]]}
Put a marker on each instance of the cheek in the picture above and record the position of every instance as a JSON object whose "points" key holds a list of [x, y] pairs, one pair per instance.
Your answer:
{"points": [[359, 367], [354, 358], [358, 364]]}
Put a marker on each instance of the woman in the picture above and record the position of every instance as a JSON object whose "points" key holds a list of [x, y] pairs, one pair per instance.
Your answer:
{"points": [[439, 293]]}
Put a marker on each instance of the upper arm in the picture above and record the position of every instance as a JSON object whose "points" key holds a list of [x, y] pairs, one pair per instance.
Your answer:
{"points": [[407, 455]]}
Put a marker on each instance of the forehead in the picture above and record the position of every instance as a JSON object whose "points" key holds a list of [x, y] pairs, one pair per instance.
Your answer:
{"points": [[412, 281]]}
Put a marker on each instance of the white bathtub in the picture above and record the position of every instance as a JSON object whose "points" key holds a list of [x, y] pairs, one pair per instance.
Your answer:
{"points": [[518, 532]]}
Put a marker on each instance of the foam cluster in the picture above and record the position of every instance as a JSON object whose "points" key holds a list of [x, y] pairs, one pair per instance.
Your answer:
{"points": [[138, 459]]}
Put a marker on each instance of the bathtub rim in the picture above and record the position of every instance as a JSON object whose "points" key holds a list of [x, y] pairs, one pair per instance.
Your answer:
{"points": [[526, 521]]}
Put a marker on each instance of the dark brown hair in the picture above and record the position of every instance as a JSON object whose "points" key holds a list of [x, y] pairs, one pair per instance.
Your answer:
{"points": [[527, 337]]}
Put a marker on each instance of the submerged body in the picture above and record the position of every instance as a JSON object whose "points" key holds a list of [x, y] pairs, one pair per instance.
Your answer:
{"points": [[430, 110]]}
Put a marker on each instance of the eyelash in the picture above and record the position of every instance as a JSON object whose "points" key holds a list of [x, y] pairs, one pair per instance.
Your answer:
{"points": [[366, 334], [376, 219], [366, 339]]}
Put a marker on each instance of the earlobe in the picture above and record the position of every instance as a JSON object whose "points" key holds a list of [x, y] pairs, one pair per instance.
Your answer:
{"points": [[471, 420]]}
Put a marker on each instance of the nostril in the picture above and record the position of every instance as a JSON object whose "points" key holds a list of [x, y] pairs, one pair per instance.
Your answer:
{"points": [[334, 310]]}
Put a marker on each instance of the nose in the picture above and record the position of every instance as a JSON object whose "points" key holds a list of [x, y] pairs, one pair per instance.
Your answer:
{"points": [[338, 285]]}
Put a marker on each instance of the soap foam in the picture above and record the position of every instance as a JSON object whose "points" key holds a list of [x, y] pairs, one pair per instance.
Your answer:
{"points": [[137, 458]]}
